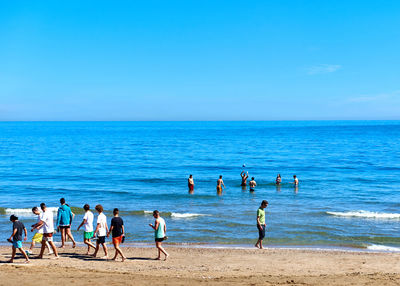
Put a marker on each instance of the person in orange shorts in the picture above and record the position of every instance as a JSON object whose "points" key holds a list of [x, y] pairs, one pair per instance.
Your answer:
{"points": [[118, 234]]}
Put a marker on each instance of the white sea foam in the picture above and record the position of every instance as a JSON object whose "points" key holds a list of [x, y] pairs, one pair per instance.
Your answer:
{"points": [[176, 215], [366, 214], [383, 248], [185, 215], [26, 212]]}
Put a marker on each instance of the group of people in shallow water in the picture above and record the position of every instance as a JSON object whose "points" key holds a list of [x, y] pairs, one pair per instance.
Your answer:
{"points": [[45, 230], [244, 175]]}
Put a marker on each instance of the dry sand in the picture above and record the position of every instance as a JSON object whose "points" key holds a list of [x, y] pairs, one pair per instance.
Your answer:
{"points": [[198, 266]]}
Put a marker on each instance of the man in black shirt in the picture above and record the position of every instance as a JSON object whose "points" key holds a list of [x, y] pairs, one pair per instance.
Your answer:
{"points": [[16, 238], [118, 233]]}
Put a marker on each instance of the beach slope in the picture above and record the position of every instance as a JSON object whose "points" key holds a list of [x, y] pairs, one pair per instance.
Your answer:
{"points": [[199, 266]]}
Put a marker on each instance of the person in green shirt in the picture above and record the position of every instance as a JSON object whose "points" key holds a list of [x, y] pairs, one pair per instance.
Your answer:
{"points": [[261, 223]]}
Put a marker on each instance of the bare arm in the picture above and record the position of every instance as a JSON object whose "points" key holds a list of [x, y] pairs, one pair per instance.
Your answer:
{"points": [[123, 230], [37, 225], [108, 232], [97, 228], [258, 221], [82, 223], [26, 234], [13, 233]]}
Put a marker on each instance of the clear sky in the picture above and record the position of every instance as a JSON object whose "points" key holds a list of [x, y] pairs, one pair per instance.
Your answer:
{"points": [[199, 60]]}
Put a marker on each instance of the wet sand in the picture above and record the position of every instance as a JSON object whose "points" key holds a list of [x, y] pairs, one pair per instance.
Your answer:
{"points": [[199, 266]]}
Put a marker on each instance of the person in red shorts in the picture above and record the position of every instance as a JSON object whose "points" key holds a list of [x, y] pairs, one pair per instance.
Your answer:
{"points": [[118, 232]]}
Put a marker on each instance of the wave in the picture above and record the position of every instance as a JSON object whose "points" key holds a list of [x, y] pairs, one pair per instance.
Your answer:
{"points": [[383, 248], [166, 214], [366, 214], [24, 212]]}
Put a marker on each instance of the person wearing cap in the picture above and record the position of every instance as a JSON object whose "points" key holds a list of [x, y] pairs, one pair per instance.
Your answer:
{"points": [[16, 238], [261, 223]]}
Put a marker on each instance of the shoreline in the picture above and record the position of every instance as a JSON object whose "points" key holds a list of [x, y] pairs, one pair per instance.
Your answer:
{"points": [[326, 248], [199, 266]]}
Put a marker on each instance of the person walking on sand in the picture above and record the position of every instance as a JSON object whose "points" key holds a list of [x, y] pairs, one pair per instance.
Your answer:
{"points": [[118, 233], [252, 184], [261, 224], [87, 223], [38, 237], [16, 238], [220, 183], [190, 183], [46, 222], [244, 176], [160, 231], [278, 179], [101, 232], [64, 220]]}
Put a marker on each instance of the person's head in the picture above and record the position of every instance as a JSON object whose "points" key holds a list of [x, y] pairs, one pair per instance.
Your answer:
{"points": [[156, 213], [220, 176], [294, 176], [252, 178], [86, 207], [190, 176], [264, 204], [279, 175], [99, 208], [43, 206], [13, 218], [62, 201], [116, 211], [35, 210]]}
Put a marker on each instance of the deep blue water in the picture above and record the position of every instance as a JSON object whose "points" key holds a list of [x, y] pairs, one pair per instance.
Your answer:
{"points": [[349, 173]]}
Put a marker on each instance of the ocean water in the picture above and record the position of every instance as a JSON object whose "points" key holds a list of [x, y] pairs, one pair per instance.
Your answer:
{"points": [[349, 173]]}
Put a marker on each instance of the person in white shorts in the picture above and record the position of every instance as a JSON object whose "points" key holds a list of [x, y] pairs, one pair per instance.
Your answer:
{"points": [[47, 223]]}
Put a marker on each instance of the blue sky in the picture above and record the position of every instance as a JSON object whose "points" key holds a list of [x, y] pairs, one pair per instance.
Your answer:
{"points": [[199, 60]]}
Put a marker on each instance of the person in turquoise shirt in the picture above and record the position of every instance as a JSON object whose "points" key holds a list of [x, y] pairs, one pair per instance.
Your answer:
{"points": [[261, 224], [64, 221], [160, 230]]}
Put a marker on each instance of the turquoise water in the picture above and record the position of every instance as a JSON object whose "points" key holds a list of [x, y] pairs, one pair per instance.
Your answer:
{"points": [[348, 171]]}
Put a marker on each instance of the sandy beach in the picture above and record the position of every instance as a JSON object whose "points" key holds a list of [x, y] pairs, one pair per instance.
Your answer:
{"points": [[197, 266]]}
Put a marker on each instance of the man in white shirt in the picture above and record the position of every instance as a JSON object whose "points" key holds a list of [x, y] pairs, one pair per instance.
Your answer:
{"points": [[47, 224], [87, 223], [101, 231], [38, 237]]}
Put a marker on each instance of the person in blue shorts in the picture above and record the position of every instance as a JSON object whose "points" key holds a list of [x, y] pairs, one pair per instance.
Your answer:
{"points": [[16, 238]]}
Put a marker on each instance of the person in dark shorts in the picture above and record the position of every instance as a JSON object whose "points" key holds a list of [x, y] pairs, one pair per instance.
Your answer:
{"points": [[16, 238], [118, 232], [261, 224], [160, 230], [252, 184], [191, 184], [101, 232], [64, 221]]}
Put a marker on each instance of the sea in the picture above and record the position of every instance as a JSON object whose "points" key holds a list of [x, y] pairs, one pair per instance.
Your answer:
{"points": [[348, 195]]}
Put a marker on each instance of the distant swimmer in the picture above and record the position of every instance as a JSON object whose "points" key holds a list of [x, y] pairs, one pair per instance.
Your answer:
{"points": [[278, 179], [190, 183], [252, 184], [220, 183], [244, 176], [295, 180]]}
